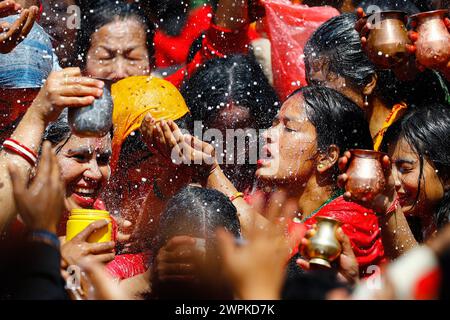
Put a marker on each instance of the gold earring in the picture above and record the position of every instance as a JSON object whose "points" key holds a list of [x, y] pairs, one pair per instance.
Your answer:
{"points": [[320, 166]]}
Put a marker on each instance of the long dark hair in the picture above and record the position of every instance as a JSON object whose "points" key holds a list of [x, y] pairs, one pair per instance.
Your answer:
{"points": [[102, 12], [339, 45], [427, 131], [238, 79]]}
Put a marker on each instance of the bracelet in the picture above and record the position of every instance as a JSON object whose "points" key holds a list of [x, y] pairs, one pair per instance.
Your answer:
{"points": [[236, 195], [393, 206], [46, 237], [26, 153]]}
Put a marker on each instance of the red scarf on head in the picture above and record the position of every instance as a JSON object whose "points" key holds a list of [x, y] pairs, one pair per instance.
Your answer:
{"points": [[359, 224]]}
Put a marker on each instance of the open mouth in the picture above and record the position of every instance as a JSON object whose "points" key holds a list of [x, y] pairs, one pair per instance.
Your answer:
{"points": [[267, 156], [85, 196]]}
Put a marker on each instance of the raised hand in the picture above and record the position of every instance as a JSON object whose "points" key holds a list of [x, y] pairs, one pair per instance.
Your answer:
{"points": [[181, 149], [65, 88], [176, 261], [12, 34], [381, 202], [256, 268], [40, 203]]}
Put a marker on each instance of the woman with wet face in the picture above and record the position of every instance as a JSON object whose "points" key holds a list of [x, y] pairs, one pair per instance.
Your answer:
{"points": [[232, 94], [334, 58], [415, 202], [312, 129], [84, 161], [115, 43]]}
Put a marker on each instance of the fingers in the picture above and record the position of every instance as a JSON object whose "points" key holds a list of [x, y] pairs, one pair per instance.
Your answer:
{"points": [[413, 36], [16, 28], [174, 242], [168, 135], [447, 23], [345, 242], [342, 180], [74, 102], [100, 247], [44, 166], [29, 22], [303, 264], [72, 71], [70, 79], [81, 91], [8, 8], [360, 12], [347, 196], [91, 228], [103, 258], [344, 161], [226, 244]]}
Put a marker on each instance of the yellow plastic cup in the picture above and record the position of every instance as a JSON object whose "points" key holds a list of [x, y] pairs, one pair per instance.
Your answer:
{"points": [[79, 219]]}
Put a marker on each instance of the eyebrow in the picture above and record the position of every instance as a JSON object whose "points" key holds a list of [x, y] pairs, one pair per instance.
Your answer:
{"points": [[401, 161], [79, 150], [113, 50]]}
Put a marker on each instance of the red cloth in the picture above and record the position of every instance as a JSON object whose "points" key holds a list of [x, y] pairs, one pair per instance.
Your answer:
{"points": [[359, 224], [217, 43], [173, 50], [128, 265], [289, 27]]}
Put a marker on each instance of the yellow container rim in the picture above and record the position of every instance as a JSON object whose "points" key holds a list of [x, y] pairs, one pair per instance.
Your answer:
{"points": [[88, 212], [89, 217]]}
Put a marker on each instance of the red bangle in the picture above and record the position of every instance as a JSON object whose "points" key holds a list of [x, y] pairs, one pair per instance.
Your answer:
{"points": [[21, 150], [393, 206]]}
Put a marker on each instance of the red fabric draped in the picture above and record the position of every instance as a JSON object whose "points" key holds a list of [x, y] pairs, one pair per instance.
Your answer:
{"points": [[360, 225]]}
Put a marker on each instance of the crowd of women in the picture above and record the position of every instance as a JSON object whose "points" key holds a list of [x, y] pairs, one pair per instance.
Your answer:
{"points": [[188, 217]]}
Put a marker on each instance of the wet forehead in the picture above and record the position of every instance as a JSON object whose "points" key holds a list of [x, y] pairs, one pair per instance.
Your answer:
{"points": [[293, 109], [99, 145], [120, 35], [401, 150]]}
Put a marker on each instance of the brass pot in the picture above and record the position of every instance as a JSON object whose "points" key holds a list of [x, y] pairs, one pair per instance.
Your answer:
{"points": [[324, 247], [433, 44], [365, 174], [386, 43]]}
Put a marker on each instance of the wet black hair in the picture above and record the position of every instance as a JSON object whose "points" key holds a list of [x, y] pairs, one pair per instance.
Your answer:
{"points": [[58, 131], [169, 15], [197, 212], [235, 79], [427, 131], [337, 120], [339, 44], [403, 5], [102, 12]]}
